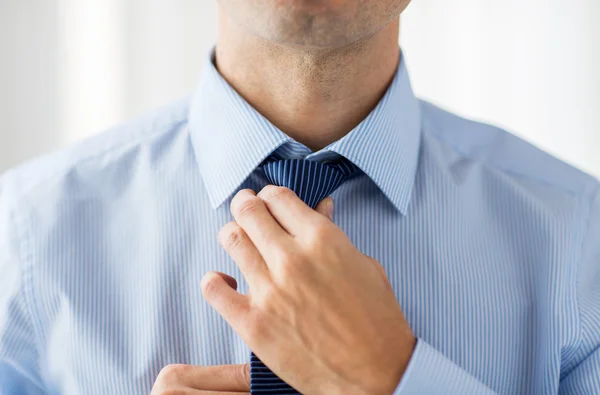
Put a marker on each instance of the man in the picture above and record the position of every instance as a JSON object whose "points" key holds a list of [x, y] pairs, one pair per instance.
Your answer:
{"points": [[458, 258]]}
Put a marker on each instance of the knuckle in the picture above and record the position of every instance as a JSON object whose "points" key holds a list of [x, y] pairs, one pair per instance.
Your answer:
{"points": [[231, 236], [247, 207]]}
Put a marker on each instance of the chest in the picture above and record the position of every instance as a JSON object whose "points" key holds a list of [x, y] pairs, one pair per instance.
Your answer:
{"points": [[126, 300]]}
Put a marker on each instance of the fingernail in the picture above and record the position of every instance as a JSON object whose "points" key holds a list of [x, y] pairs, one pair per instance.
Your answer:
{"points": [[330, 208]]}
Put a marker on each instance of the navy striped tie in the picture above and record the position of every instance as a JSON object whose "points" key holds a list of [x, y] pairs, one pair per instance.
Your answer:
{"points": [[312, 181]]}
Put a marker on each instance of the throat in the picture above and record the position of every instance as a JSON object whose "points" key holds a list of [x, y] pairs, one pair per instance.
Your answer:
{"points": [[314, 96]]}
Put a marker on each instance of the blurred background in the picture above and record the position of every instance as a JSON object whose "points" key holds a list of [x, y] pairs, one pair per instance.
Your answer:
{"points": [[71, 68]]}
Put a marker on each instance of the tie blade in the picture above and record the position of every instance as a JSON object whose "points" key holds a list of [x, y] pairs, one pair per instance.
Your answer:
{"points": [[312, 182], [264, 381]]}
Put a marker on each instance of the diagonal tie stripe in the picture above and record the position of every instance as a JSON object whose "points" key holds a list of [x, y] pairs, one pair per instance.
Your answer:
{"points": [[312, 182]]}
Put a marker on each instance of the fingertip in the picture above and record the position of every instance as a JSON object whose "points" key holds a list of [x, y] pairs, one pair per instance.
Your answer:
{"points": [[330, 207], [218, 290], [211, 284], [215, 281]]}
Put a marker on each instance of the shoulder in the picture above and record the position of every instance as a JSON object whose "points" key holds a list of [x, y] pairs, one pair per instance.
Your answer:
{"points": [[501, 151], [95, 154]]}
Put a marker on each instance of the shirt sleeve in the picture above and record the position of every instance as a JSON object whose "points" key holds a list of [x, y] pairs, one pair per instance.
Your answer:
{"points": [[583, 376], [430, 372], [18, 354]]}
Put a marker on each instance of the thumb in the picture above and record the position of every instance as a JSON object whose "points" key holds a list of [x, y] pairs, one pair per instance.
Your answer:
{"points": [[325, 207]]}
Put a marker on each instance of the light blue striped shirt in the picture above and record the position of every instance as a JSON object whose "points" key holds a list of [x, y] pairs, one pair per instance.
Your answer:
{"points": [[491, 245]]}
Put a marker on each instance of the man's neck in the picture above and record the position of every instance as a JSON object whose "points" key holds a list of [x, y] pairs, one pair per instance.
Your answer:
{"points": [[314, 96]]}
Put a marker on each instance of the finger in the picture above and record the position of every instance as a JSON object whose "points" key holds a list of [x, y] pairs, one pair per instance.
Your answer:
{"points": [[325, 208], [287, 208], [229, 303], [253, 216], [244, 253], [231, 378]]}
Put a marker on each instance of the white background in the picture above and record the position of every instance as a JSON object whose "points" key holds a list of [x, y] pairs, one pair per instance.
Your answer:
{"points": [[70, 68]]}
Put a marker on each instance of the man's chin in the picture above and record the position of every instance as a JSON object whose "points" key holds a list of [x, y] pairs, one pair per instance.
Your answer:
{"points": [[314, 7], [310, 37], [302, 24], [312, 23]]}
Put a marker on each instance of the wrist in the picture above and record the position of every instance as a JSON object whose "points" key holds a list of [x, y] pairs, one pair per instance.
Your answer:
{"points": [[379, 379], [390, 375]]}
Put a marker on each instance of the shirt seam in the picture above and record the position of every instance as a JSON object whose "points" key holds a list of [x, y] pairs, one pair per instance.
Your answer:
{"points": [[136, 139], [435, 130]]}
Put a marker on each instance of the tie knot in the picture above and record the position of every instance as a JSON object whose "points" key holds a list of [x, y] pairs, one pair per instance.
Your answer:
{"points": [[311, 181]]}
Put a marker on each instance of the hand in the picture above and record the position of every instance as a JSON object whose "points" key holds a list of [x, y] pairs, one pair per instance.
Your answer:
{"points": [[319, 313], [201, 380]]}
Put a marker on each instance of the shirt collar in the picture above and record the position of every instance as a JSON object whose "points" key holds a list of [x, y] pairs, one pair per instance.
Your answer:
{"points": [[231, 139]]}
